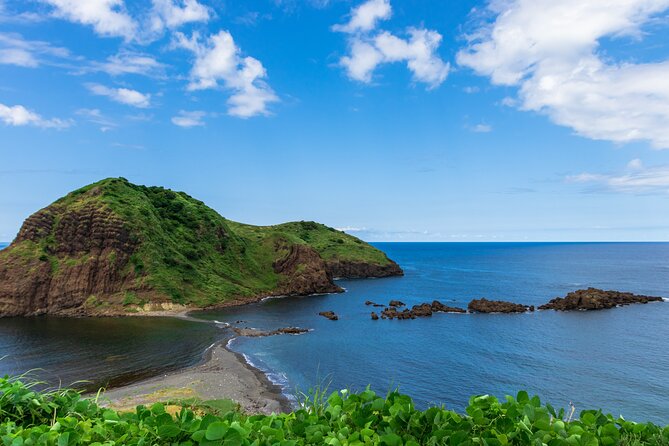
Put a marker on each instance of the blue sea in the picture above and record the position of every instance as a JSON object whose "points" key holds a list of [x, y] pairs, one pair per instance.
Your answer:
{"points": [[617, 360]]}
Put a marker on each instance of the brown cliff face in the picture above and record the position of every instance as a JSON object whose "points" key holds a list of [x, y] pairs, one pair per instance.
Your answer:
{"points": [[304, 272], [53, 268], [360, 270]]}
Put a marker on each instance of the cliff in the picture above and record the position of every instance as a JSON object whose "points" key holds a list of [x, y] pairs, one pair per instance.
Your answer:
{"points": [[114, 247]]}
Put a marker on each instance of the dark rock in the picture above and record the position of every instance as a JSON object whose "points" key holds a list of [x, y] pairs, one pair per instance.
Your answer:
{"points": [[596, 299], [438, 307], [329, 314], [291, 330], [422, 310], [484, 305], [360, 270], [375, 317], [396, 303], [374, 304]]}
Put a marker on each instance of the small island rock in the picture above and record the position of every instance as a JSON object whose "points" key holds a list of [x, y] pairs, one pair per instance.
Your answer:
{"points": [[484, 305], [329, 314], [596, 299]]}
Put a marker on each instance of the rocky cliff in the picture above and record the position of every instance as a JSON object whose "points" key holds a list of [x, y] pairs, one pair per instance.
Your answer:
{"points": [[115, 248]]}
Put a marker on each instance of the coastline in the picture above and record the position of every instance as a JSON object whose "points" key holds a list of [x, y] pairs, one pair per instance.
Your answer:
{"points": [[223, 374]]}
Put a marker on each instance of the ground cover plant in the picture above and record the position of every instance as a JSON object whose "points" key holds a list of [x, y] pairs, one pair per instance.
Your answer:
{"points": [[64, 418]]}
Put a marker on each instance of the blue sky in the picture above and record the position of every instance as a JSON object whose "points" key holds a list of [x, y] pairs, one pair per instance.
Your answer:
{"points": [[393, 119]]}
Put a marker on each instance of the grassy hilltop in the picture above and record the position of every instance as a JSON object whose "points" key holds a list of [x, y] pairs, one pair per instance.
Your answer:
{"points": [[114, 242]]}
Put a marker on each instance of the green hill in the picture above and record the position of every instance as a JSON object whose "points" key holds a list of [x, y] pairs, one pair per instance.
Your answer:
{"points": [[114, 247]]}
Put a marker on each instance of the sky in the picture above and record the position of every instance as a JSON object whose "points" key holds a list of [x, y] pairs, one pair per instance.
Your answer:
{"points": [[394, 120]]}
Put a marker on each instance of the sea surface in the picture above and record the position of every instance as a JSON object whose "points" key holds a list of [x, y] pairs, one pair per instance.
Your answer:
{"points": [[617, 360]]}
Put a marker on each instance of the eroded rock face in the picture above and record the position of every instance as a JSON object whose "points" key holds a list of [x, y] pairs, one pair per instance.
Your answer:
{"points": [[356, 270], [304, 273], [484, 305], [596, 299], [84, 255]]}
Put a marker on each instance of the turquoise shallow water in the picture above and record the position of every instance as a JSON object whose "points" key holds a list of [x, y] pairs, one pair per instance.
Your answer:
{"points": [[616, 359]]}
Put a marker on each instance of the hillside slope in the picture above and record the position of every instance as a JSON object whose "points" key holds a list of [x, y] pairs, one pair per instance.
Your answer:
{"points": [[113, 247]]}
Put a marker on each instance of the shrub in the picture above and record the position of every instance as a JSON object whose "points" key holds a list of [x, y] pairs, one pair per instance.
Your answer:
{"points": [[63, 417]]}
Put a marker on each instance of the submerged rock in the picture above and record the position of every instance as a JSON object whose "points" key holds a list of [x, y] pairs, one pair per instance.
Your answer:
{"points": [[375, 317], [596, 299], [374, 304], [484, 305], [329, 314], [396, 303]]}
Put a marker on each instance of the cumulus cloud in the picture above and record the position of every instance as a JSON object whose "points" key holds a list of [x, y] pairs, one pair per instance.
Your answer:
{"points": [[107, 17], [550, 51], [172, 14], [636, 179], [370, 48], [189, 119], [18, 115], [365, 16], [15, 50], [129, 62], [121, 95], [219, 59]]}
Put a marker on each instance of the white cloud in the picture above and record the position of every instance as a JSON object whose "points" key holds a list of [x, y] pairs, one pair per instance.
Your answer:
{"points": [[370, 48], [107, 17], [550, 51], [128, 62], [636, 179], [481, 128], [121, 95], [219, 59], [15, 50], [189, 119], [365, 16], [95, 116], [172, 14], [18, 115]]}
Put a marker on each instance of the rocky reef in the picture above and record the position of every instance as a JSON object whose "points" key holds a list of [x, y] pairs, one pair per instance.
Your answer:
{"points": [[484, 305], [420, 310], [596, 299]]}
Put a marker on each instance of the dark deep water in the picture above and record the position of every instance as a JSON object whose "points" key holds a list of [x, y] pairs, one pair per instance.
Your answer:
{"points": [[615, 359]]}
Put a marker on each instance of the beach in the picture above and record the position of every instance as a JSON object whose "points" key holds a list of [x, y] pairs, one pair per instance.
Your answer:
{"points": [[223, 374]]}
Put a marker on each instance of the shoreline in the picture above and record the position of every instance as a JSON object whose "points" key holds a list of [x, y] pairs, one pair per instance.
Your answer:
{"points": [[222, 374]]}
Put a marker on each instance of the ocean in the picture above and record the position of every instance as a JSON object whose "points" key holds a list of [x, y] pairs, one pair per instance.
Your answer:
{"points": [[616, 360]]}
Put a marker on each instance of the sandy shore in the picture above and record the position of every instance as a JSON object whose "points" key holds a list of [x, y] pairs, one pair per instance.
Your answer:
{"points": [[224, 374]]}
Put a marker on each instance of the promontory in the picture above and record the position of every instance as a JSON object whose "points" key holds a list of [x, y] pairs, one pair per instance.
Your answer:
{"points": [[113, 248]]}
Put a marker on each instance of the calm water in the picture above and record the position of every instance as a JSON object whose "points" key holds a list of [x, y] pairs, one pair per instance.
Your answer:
{"points": [[617, 359]]}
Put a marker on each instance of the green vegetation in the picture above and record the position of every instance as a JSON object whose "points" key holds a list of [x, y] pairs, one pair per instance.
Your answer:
{"points": [[181, 248], [64, 418]]}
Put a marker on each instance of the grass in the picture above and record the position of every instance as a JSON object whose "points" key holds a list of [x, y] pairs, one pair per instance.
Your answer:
{"points": [[185, 250], [64, 418]]}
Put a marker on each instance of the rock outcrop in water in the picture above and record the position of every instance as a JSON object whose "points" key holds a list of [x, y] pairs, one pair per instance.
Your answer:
{"points": [[113, 248], [484, 305], [420, 310], [329, 315], [596, 299]]}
